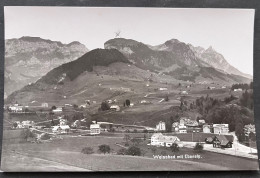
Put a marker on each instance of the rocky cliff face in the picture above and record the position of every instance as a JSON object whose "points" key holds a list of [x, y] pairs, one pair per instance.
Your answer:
{"points": [[216, 60], [29, 58]]}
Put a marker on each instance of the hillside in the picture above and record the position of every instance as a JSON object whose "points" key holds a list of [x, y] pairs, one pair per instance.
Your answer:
{"points": [[66, 76], [29, 58]]}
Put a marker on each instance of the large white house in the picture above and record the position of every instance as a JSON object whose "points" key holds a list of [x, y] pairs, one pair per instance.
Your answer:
{"points": [[59, 109], [95, 129], [161, 126], [61, 129], [220, 128], [158, 139]]}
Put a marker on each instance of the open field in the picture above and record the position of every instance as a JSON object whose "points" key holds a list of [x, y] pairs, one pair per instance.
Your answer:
{"points": [[67, 151]]}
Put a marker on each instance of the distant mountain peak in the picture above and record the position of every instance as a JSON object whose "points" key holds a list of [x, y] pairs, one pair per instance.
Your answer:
{"points": [[211, 49]]}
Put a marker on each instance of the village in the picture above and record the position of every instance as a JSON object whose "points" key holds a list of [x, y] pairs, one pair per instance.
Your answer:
{"points": [[185, 132]]}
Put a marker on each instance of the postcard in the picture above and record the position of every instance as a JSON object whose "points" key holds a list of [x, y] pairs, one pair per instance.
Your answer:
{"points": [[128, 89]]}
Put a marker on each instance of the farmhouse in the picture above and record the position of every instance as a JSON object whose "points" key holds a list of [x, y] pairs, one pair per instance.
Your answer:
{"points": [[183, 92], [115, 108], [201, 122], [220, 128], [57, 110], [45, 105], [163, 89], [158, 139], [182, 129], [161, 126], [61, 129], [222, 141], [238, 89], [206, 128], [249, 128], [95, 129], [15, 108]]}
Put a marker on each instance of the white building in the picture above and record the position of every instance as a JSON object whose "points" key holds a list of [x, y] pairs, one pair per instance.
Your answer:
{"points": [[45, 105], [163, 89], [15, 108], [239, 89], [158, 139], [57, 110], [61, 129], [183, 92], [161, 126], [182, 129], [220, 128], [115, 107], [95, 129], [206, 128]]}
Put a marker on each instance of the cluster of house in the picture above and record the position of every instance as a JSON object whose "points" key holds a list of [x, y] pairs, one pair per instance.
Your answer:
{"points": [[25, 124], [62, 127], [186, 125], [220, 141], [15, 108]]}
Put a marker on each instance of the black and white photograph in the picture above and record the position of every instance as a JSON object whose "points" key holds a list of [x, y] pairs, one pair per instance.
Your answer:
{"points": [[128, 89]]}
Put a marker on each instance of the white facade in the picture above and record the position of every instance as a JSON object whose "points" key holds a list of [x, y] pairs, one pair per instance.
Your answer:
{"points": [[45, 105], [61, 129], [161, 126], [57, 110], [115, 107], [206, 129], [220, 128], [158, 139], [16, 108], [95, 129]]}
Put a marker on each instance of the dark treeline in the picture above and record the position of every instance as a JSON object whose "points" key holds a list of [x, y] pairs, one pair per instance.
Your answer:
{"points": [[243, 86]]}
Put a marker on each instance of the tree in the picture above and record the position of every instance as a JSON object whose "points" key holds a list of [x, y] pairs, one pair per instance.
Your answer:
{"points": [[15, 124], [75, 106], [127, 138], [252, 136], [166, 98], [52, 122], [53, 107], [87, 150], [122, 151], [77, 124], [104, 106], [104, 148], [153, 149], [127, 102], [198, 147], [134, 151], [26, 134], [136, 141], [174, 147]]}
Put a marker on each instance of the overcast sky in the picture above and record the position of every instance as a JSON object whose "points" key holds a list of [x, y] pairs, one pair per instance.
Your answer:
{"points": [[229, 32]]}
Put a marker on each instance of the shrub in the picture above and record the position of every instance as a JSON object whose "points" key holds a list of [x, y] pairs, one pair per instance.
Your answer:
{"points": [[122, 151], [45, 136], [104, 106], [175, 147], [134, 151], [198, 147], [104, 148], [87, 150], [163, 153]]}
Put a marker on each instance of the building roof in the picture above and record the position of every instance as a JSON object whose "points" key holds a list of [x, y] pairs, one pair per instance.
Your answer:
{"points": [[165, 138], [220, 125], [94, 126], [223, 139], [63, 127]]}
